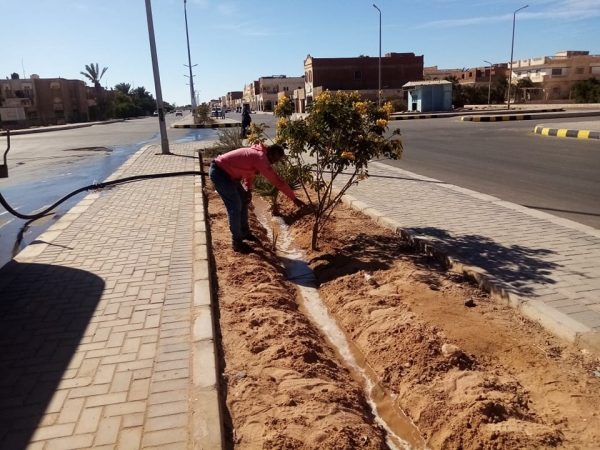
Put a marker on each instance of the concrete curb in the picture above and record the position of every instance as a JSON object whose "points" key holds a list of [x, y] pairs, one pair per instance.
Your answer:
{"points": [[566, 133], [462, 113], [58, 127], [551, 319], [207, 429], [505, 117], [212, 125]]}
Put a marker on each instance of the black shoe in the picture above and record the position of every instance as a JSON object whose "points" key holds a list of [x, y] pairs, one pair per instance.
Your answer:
{"points": [[240, 246], [250, 237]]}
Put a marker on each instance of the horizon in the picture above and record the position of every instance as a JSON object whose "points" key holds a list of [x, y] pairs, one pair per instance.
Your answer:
{"points": [[231, 47]]}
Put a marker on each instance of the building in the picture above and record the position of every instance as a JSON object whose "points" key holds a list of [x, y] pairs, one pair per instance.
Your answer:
{"points": [[427, 96], [554, 76], [270, 87], [233, 99], [476, 76], [43, 101], [360, 74]]}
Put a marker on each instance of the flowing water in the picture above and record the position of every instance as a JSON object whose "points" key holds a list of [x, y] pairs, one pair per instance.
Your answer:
{"points": [[401, 433]]}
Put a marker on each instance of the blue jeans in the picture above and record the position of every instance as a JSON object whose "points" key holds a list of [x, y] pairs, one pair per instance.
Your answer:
{"points": [[234, 197]]}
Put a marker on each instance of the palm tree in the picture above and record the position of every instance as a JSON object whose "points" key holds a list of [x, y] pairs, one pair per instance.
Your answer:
{"points": [[124, 88], [93, 74]]}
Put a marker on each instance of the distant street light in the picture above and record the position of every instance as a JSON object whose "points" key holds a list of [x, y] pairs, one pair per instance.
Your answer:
{"points": [[512, 46], [379, 90], [187, 36], [489, 82], [164, 140]]}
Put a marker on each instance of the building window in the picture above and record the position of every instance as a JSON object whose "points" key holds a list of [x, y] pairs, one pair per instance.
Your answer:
{"points": [[357, 75], [54, 85], [556, 72], [579, 70]]}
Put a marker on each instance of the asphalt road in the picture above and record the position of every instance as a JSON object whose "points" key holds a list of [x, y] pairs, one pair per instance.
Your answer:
{"points": [[507, 160], [44, 167]]}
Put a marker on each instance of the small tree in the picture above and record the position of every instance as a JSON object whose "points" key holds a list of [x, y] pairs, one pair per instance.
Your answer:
{"points": [[587, 91], [339, 137], [203, 113]]}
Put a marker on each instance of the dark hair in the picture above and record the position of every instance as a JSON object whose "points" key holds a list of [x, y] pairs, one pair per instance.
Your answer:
{"points": [[275, 150]]}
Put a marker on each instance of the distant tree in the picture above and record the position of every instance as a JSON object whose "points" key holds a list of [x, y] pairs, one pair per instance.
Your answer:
{"points": [[457, 92], [143, 100], [587, 91], [93, 74], [499, 88], [14, 76], [125, 107], [123, 88], [101, 110], [522, 84]]}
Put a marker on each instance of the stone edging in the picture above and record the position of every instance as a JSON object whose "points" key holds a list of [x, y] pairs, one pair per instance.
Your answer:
{"points": [[551, 319], [206, 420], [505, 117], [566, 133]]}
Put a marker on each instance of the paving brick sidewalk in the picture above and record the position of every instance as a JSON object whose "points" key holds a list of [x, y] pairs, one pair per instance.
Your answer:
{"points": [[101, 318], [544, 265]]}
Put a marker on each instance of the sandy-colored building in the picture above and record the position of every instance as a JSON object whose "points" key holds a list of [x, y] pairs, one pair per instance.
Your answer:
{"points": [[475, 76], [43, 101], [555, 76], [271, 86]]}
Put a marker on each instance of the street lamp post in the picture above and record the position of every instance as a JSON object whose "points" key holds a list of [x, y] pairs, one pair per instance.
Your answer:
{"points": [[189, 65], [512, 46], [379, 85], [489, 82], [164, 140]]}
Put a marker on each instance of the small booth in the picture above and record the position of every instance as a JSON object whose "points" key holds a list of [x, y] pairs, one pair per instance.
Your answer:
{"points": [[428, 96]]}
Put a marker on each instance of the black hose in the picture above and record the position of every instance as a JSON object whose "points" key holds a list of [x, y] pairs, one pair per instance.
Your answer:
{"points": [[102, 185]]}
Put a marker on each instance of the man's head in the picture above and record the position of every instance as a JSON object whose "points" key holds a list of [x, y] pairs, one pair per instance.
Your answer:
{"points": [[275, 153]]}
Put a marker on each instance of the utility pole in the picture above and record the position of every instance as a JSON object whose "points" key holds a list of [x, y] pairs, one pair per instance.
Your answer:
{"points": [[512, 46], [189, 65], [164, 140], [379, 90], [489, 82]]}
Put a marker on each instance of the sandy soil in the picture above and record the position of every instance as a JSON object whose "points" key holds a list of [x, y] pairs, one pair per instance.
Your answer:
{"points": [[468, 370]]}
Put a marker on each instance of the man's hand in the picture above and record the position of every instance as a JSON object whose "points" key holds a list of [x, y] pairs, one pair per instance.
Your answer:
{"points": [[299, 203]]}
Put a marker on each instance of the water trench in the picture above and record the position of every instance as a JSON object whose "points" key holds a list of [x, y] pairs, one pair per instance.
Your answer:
{"points": [[401, 433]]}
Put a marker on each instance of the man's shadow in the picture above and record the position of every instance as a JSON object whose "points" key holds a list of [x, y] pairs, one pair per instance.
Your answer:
{"points": [[44, 313]]}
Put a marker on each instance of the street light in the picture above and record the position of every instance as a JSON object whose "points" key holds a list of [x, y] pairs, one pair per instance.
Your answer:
{"points": [[489, 82], [187, 36], [512, 46], [379, 90], [159, 101]]}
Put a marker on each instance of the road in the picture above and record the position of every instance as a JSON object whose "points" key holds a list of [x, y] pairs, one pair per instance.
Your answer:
{"points": [[43, 167], [506, 160]]}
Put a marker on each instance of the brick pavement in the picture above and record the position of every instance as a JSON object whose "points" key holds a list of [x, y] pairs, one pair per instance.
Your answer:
{"points": [[105, 321], [544, 265]]}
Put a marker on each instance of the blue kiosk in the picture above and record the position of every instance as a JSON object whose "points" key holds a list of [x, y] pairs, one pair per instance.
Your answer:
{"points": [[428, 96]]}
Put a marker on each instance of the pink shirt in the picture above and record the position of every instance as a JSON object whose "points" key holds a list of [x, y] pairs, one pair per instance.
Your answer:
{"points": [[245, 163]]}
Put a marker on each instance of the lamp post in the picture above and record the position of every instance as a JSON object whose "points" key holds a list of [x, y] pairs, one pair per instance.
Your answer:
{"points": [[164, 140], [379, 85], [512, 46], [489, 82], [189, 65]]}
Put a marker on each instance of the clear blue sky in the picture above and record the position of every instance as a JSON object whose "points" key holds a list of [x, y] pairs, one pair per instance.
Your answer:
{"points": [[234, 42]]}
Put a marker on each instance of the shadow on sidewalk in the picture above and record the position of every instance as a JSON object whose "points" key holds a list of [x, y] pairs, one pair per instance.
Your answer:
{"points": [[44, 312], [515, 266]]}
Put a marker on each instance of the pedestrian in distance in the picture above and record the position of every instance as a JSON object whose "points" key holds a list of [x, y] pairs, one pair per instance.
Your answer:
{"points": [[246, 121], [233, 173]]}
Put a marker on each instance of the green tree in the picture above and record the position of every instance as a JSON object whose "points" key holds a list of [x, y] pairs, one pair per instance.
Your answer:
{"points": [[336, 141], [522, 85], [143, 100], [124, 88], [94, 75], [587, 91]]}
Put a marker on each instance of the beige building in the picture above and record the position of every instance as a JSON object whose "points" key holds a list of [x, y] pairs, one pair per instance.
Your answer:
{"points": [[43, 101], [554, 76], [270, 87]]}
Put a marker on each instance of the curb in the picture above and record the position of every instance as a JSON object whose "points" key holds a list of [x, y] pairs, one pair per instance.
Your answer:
{"points": [[505, 118], [566, 133], [213, 125], [551, 319], [207, 429], [463, 113], [59, 127]]}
